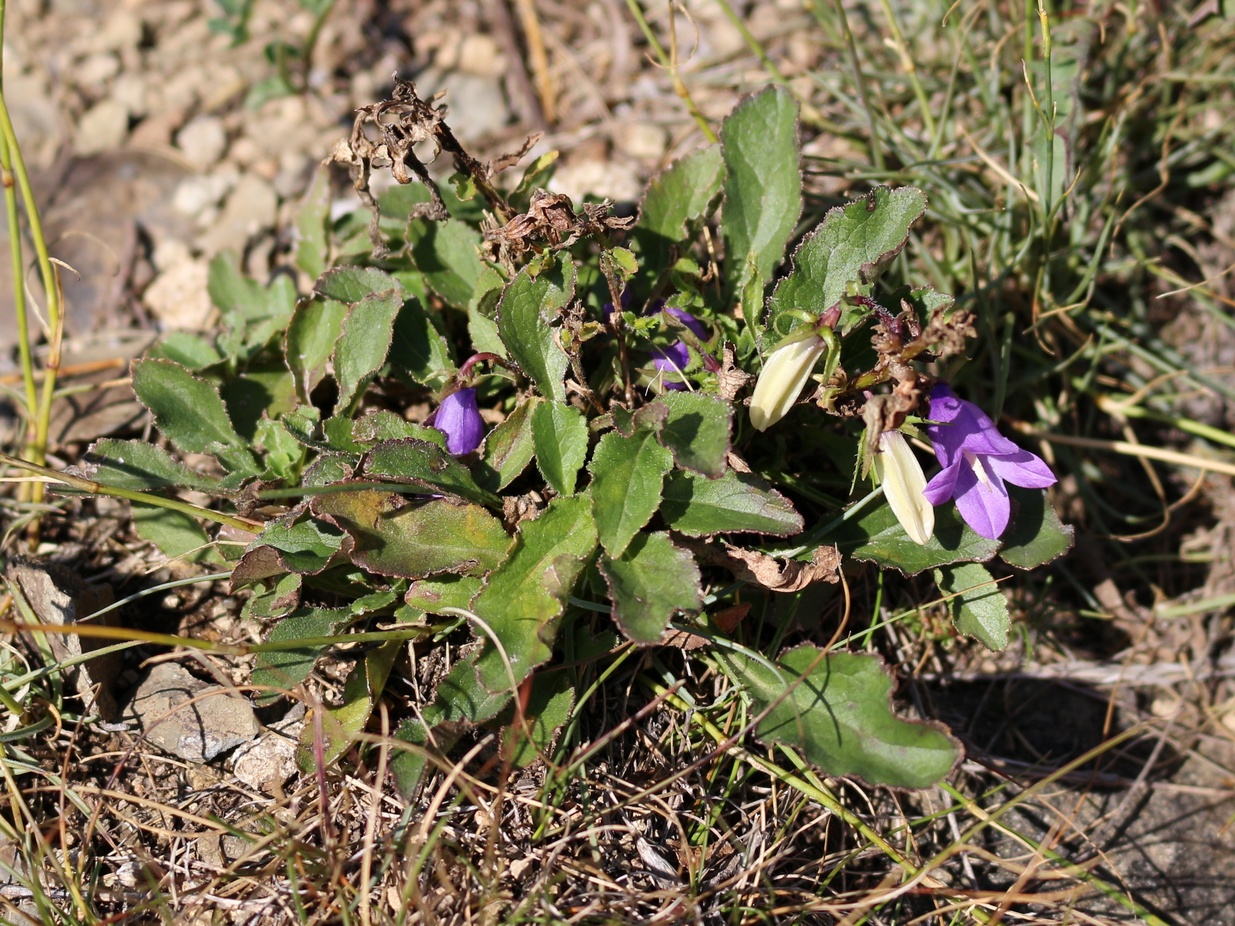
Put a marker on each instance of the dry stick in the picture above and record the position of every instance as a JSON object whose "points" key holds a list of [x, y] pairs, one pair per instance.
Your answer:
{"points": [[540, 59]]}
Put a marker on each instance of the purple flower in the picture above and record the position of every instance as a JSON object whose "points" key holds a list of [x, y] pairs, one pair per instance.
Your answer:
{"points": [[458, 418], [675, 357], [977, 460]]}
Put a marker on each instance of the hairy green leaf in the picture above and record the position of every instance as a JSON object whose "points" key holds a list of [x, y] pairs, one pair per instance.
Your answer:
{"points": [[425, 464], [834, 707], [697, 430], [286, 666], [310, 341], [676, 198], [648, 583], [190, 412], [979, 608], [525, 596], [850, 248], [525, 315], [137, 464], [763, 186], [734, 503], [447, 255], [559, 437], [393, 536], [364, 343], [627, 476], [509, 447], [1037, 535], [878, 537]]}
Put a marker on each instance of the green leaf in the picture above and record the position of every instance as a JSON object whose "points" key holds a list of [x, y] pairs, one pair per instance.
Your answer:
{"points": [[675, 199], [419, 348], [447, 255], [627, 476], [525, 596], [549, 704], [979, 608], [394, 536], [834, 707], [462, 697], [697, 430], [177, 535], [263, 389], [251, 314], [284, 455], [192, 351], [384, 425], [313, 225], [284, 668], [364, 343], [310, 341], [509, 447], [361, 692], [351, 284], [137, 464], [878, 537], [432, 595], [648, 583], [291, 543], [1037, 535], [851, 246], [763, 186], [734, 503], [529, 306], [425, 464], [190, 413], [559, 437]]}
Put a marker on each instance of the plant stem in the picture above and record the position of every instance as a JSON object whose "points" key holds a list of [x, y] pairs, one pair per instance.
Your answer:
{"points": [[91, 487]]}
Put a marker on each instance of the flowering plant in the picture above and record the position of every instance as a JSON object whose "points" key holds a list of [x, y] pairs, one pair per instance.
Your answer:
{"points": [[634, 488]]}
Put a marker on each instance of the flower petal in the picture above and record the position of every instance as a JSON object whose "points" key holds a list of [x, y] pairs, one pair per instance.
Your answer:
{"points": [[983, 503], [943, 484], [696, 326], [1023, 469], [784, 373], [900, 473], [458, 417], [671, 359]]}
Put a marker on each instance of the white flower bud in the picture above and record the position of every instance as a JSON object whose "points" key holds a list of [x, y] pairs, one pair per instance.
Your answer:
{"points": [[900, 473], [784, 374]]}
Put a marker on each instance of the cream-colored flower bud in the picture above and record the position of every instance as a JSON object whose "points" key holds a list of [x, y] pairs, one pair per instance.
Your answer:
{"points": [[784, 374], [900, 473]]}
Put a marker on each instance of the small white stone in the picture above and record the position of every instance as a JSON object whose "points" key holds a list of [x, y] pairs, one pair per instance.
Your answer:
{"points": [[642, 140], [251, 207], [203, 139], [178, 297], [479, 54], [103, 127], [196, 195], [96, 69]]}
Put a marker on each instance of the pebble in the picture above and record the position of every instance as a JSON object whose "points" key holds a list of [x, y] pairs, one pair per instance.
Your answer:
{"points": [[177, 297], [605, 179], [101, 128], [97, 69], [190, 718], [268, 761], [203, 140], [643, 141], [197, 196], [251, 207]]}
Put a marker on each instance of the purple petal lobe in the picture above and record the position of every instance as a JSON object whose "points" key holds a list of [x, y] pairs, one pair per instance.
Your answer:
{"points": [[670, 359], [459, 419], [983, 502], [1023, 469], [689, 321]]}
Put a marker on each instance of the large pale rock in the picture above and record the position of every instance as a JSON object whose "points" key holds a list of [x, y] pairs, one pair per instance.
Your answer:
{"points": [[190, 718]]}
